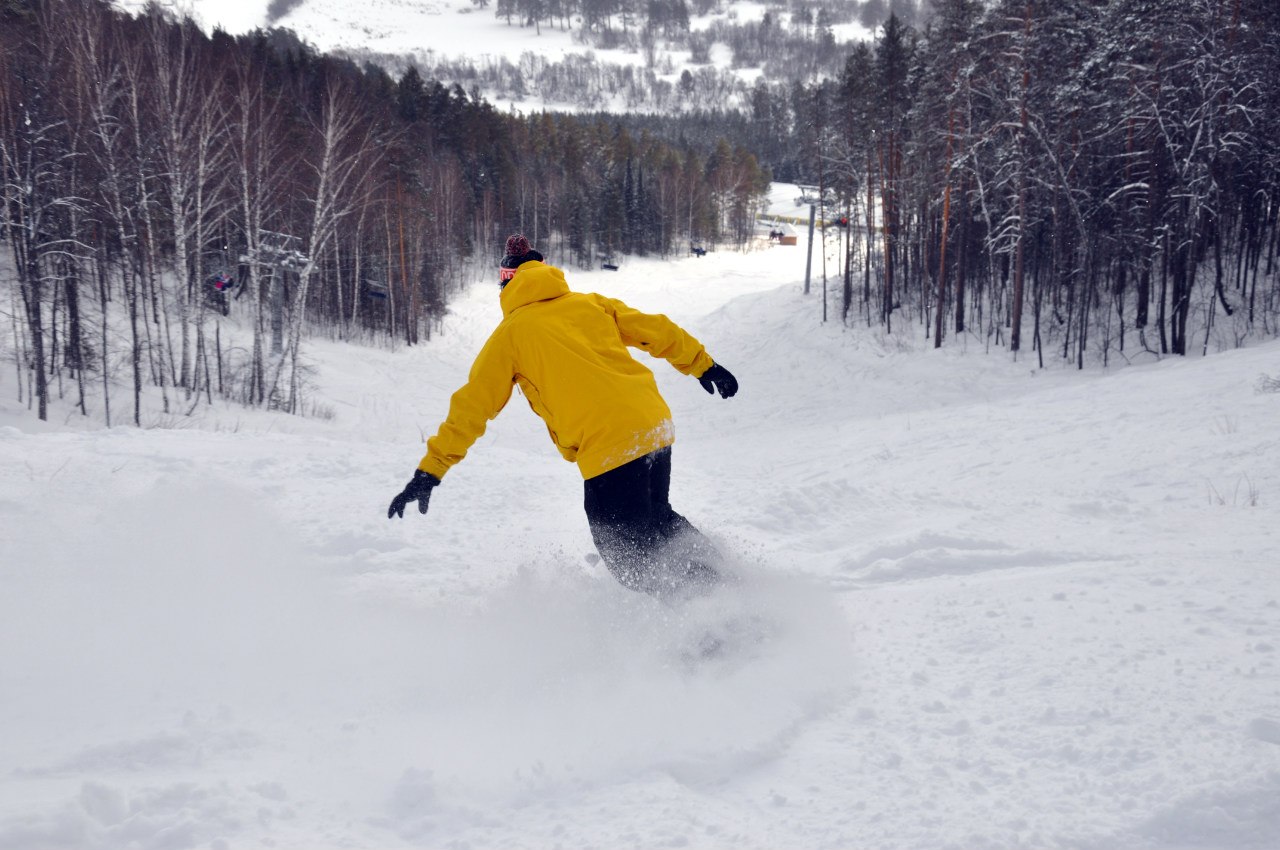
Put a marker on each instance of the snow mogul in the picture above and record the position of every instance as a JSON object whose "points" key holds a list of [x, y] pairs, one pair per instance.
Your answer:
{"points": [[567, 351]]}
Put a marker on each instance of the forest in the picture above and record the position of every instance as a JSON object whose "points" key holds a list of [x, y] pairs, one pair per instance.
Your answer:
{"points": [[1079, 181], [154, 179]]}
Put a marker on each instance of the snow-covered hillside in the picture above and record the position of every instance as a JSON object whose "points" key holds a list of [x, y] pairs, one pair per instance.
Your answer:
{"points": [[1001, 607], [447, 27], [548, 66]]}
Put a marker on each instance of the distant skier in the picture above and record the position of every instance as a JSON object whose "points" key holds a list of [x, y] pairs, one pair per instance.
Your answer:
{"points": [[567, 351]]}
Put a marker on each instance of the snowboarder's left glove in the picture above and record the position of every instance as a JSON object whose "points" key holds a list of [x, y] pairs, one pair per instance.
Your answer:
{"points": [[719, 378], [418, 490]]}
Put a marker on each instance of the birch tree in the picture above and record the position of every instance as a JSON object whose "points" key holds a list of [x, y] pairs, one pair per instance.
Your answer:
{"points": [[343, 163]]}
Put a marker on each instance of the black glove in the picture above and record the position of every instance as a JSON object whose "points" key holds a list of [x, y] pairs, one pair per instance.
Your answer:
{"points": [[418, 490], [719, 378]]}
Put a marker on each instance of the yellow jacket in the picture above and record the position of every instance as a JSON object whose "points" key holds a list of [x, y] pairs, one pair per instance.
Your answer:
{"points": [[568, 353]]}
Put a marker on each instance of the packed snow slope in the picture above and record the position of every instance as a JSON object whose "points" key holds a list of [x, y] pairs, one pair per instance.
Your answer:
{"points": [[981, 606]]}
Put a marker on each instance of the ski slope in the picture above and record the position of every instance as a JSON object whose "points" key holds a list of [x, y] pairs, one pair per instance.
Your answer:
{"points": [[1001, 607]]}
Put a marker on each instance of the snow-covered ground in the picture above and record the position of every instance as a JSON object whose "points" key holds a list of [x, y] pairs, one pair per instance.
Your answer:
{"points": [[1000, 607]]}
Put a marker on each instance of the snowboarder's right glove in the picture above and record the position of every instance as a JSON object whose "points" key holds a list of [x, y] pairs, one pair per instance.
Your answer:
{"points": [[418, 490], [719, 378]]}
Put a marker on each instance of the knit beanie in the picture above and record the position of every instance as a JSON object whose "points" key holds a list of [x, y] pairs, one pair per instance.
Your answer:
{"points": [[518, 251]]}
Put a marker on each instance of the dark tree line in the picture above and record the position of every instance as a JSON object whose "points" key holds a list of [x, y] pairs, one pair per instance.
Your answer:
{"points": [[180, 211], [1078, 178]]}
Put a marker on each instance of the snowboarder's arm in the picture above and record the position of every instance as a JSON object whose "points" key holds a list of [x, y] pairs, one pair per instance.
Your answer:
{"points": [[486, 392], [659, 336]]}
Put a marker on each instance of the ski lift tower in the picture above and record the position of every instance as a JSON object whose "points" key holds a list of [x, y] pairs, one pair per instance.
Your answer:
{"points": [[280, 253], [811, 196]]}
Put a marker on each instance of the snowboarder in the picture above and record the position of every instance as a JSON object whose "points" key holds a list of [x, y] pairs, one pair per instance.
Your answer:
{"points": [[567, 351]]}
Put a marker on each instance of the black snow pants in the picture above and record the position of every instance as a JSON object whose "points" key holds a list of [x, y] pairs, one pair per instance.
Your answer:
{"points": [[645, 544]]}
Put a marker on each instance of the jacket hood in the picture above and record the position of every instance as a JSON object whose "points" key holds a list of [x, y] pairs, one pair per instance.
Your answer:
{"points": [[534, 281]]}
